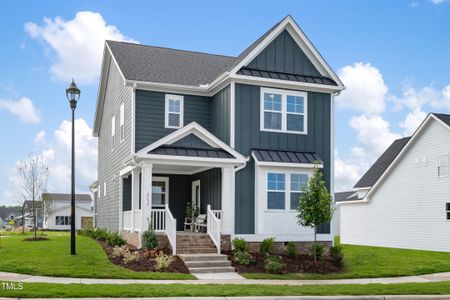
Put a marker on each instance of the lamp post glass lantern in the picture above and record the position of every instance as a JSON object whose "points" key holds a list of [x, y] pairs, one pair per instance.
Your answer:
{"points": [[73, 94]]}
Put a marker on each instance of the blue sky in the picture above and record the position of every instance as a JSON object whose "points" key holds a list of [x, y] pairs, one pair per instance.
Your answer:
{"points": [[392, 55]]}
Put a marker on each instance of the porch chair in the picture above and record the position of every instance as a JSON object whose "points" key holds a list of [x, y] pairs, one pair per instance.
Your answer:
{"points": [[189, 224], [200, 224]]}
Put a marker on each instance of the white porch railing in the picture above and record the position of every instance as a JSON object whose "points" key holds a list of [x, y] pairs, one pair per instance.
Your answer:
{"points": [[163, 221], [127, 220], [218, 213], [137, 219], [214, 226]]}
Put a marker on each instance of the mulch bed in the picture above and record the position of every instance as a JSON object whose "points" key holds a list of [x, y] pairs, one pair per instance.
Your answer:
{"points": [[146, 263], [299, 264], [36, 239]]}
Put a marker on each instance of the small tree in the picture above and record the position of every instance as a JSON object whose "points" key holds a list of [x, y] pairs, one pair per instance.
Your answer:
{"points": [[33, 175], [315, 205]]}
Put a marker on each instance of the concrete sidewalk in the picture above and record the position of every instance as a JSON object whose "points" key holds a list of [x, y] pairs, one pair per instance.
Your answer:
{"points": [[387, 297], [437, 277]]}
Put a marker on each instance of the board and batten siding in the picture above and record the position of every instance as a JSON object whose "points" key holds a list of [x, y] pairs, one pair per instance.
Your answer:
{"points": [[408, 209], [249, 136], [284, 55], [109, 162], [220, 122], [150, 113]]}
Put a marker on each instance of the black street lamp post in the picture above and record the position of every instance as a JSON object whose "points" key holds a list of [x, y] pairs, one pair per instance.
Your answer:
{"points": [[73, 94]]}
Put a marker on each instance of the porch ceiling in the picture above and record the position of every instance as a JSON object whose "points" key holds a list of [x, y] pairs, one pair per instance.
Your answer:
{"points": [[177, 169]]}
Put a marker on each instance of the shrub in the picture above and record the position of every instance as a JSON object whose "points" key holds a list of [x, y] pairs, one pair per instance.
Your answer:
{"points": [[149, 240], [85, 232], [291, 249], [243, 257], [163, 262], [240, 245], [130, 257], [114, 239], [266, 247], [273, 264], [120, 251], [337, 255], [100, 234], [318, 250]]}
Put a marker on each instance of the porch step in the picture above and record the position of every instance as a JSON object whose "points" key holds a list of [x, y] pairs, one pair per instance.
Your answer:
{"points": [[195, 243], [207, 263]]}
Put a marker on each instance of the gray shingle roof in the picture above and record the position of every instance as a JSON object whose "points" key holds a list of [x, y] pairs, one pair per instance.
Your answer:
{"points": [[383, 162], [66, 197], [443, 117], [345, 196], [165, 65], [286, 156], [191, 152], [286, 76]]}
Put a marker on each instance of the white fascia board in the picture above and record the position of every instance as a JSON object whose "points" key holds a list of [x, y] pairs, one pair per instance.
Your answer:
{"points": [[189, 161], [283, 164], [402, 152], [126, 170], [197, 130], [365, 200]]}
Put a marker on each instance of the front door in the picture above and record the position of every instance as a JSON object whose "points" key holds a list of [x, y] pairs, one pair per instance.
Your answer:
{"points": [[196, 194]]}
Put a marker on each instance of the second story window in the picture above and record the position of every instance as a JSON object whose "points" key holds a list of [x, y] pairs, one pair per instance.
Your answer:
{"points": [[283, 111], [122, 122], [113, 133], [443, 166], [174, 111]]}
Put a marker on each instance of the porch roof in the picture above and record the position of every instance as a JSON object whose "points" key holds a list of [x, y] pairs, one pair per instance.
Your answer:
{"points": [[191, 152], [277, 156]]}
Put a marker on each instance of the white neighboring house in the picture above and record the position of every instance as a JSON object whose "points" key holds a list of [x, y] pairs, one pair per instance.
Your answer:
{"points": [[57, 211], [403, 201]]}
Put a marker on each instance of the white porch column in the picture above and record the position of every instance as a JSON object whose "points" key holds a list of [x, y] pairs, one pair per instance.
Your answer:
{"points": [[120, 202], [146, 194], [228, 195], [134, 195]]}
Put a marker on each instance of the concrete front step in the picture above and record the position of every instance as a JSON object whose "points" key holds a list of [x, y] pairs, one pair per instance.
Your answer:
{"points": [[203, 257], [207, 263], [211, 270], [196, 251]]}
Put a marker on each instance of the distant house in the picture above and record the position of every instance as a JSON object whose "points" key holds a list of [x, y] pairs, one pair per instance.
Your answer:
{"points": [[403, 201], [2, 223], [57, 211], [31, 209]]}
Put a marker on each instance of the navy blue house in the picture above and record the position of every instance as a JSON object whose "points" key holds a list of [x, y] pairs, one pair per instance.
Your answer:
{"points": [[236, 137]]}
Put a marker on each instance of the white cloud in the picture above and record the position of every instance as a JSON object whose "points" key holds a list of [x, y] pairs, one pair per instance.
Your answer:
{"points": [[412, 121], [346, 173], [77, 44], [23, 108], [56, 151], [438, 1], [365, 89]]}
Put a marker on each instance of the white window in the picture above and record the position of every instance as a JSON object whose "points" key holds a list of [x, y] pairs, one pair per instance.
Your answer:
{"points": [[298, 183], [443, 165], [113, 133], [104, 188], [276, 190], [122, 122], [62, 220], [283, 111], [174, 111], [160, 191]]}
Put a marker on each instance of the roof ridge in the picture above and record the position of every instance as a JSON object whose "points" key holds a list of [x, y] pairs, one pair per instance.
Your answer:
{"points": [[173, 49]]}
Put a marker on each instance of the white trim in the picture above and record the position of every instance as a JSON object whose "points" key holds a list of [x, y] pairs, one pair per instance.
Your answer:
{"points": [[121, 203], [171, 172], [201, 133], [126, 171], [403, 151], [441, 163], [166, 182], [104, 189], [284, 113], [113, 133], [232, 114], [189, 161], [122, 122], [167, 112], [194, 184], [133, 120]]}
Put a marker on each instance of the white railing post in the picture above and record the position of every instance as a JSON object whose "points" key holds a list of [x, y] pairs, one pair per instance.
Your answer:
{"points": [[171, 229], [213, 226]]}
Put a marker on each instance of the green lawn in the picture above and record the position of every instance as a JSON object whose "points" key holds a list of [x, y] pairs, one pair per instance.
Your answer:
{"points": [[364, 262], [46, 290], [52, 258]]}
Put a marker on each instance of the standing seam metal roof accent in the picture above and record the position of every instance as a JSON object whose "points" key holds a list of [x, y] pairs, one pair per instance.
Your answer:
{"points": [[286, 156]]}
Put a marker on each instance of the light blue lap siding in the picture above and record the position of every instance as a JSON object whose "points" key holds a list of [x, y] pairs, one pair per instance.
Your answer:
{"points": [[249, 136], [150, 114]]}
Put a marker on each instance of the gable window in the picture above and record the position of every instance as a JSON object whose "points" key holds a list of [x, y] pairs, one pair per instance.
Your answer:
{"points": [[443, 165], [447, 210], [160, 191], [283, 111], [104, 188], [113, 133], [122, 122], [298, 182], [174, 111], [276, 190]]}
